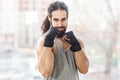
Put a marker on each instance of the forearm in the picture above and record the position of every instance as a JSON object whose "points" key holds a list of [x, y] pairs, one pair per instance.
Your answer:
{"points": [[46, 57], [46, 61], [76, 47], [82, 62]]}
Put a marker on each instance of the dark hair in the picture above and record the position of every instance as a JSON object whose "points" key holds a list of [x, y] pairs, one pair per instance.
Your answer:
{"points": [[53, 6]]}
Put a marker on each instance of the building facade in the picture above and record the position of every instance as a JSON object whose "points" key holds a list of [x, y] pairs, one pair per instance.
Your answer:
{"points": [[20, 22], [7, 25], [30, 15]]}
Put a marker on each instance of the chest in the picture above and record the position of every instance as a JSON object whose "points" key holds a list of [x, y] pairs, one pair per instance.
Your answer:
{"points": [[65, 45]]}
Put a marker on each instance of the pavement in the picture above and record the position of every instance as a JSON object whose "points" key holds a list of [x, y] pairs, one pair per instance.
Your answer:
{"points": [[20, 64], [114, 75]]}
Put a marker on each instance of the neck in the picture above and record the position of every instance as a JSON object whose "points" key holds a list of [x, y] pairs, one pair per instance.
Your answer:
{"points": [[60, 38], [65, 45]]}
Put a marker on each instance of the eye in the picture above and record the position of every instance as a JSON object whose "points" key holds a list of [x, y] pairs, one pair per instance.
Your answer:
{"points": [[56, 20], [63, 19]]}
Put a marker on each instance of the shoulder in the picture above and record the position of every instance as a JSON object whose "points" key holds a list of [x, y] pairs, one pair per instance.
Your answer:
{"points": [[81, 42], [40, 45], [40, 41]]}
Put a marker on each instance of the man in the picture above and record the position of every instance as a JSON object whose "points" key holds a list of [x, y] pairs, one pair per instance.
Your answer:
{"points": [[60, 53]]}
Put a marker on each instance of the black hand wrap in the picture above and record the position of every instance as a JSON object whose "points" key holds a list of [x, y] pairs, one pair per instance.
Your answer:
{"points": [[75, 46], [50, 37]]}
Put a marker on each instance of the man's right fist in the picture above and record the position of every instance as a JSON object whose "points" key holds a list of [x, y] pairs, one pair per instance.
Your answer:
{"points": [[50, 35]]}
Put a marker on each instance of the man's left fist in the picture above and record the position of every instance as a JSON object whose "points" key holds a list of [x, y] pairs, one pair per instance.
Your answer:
{"points": [[75, 46]]}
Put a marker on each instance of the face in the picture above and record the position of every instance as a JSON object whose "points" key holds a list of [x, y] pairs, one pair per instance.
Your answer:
{"points": [[59, 20]]}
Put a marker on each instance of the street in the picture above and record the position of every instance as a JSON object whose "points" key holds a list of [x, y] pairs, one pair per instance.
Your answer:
{"points": [[21, 65]]}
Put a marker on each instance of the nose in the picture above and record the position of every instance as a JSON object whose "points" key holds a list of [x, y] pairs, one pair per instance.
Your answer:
{"points": [[59, 24]]}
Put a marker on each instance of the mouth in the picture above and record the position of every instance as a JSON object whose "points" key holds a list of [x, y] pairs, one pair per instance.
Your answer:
{"points": [[61, 29]]}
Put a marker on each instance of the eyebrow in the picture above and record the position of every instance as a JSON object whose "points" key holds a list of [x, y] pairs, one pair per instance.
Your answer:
{"points": [[63, 19], [58, 19], [55, 19]]}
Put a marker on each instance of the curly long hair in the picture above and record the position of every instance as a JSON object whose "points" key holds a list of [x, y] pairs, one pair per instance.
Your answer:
{"points": [[53, 6]]}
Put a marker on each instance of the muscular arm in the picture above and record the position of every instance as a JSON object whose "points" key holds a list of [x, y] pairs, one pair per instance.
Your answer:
{"points": [[45, 52], [45, 59], [77, 48], [81, 60]]}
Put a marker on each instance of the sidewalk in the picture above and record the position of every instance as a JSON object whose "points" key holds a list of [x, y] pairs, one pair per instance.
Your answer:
{"points": [[101, 76]]}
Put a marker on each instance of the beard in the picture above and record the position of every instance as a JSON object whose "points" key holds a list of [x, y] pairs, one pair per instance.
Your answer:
{"points": [[61, 33]]}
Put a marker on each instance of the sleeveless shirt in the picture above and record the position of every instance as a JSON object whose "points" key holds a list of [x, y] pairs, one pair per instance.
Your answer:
{"points": [[64, 65]]}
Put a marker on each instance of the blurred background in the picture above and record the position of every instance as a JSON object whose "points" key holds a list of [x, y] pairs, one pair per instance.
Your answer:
{"points": [[95, 22]]}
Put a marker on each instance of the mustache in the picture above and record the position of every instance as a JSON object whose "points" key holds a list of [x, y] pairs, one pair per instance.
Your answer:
{"points": [[61, 32], [61, 27]]}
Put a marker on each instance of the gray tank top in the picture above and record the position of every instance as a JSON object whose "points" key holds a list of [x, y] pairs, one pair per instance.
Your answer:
{"points": [[64, 65]]}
